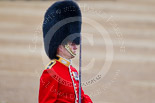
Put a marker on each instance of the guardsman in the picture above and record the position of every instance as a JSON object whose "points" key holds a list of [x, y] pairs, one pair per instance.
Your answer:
{"points": [[59, 82]]}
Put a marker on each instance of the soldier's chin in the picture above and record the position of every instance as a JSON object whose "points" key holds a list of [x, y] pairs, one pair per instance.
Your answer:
{"points": [[72, 56]]}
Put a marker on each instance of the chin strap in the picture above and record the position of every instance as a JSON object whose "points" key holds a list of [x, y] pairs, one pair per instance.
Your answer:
{"points": [[69, 50]]}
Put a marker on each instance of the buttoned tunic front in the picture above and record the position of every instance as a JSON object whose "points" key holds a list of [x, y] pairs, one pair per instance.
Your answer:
{"points": [[59, 83]]}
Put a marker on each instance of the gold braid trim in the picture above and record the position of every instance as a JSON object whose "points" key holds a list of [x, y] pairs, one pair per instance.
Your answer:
{"points": [[50, 65]]}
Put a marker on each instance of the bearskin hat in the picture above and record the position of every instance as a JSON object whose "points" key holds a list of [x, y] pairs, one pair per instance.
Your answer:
{"points": [[62, 23]]}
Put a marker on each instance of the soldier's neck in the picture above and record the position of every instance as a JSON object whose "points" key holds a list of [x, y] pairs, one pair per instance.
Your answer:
{"points": [[64, 56]]}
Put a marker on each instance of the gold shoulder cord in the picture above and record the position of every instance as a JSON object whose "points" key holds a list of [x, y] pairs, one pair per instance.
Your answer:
{"points": [[50, 65]]}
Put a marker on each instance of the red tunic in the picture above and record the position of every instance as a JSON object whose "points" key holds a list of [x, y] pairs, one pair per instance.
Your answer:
{"points": [[59, 84]]}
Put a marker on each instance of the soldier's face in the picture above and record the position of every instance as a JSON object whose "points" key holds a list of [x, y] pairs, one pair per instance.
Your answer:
{"points": [[73, 47], [62, 51]]}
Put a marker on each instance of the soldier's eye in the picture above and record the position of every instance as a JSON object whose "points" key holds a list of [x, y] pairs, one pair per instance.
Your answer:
{"points": [[73, 44]]}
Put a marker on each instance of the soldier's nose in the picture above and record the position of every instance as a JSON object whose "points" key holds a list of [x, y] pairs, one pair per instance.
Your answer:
{"points": [[75, 47]]}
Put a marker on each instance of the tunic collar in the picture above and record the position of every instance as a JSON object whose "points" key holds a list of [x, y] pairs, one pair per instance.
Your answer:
{"points": [[63, 60]]}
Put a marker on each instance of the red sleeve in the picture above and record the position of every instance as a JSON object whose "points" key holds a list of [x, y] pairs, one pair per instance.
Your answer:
{"points": [[48, 88], [85, 98]]}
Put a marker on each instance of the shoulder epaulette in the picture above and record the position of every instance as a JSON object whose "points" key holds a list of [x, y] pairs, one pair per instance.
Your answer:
{"points": [[50, 65]]}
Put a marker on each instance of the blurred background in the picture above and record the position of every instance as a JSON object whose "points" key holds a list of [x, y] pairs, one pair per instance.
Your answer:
{"points": [[120, 33]]}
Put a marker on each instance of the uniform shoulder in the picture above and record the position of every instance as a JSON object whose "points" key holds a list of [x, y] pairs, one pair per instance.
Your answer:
{"points": [[50, 64]]}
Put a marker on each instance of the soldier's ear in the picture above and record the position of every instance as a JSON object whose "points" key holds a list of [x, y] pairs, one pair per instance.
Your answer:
{"points": [[60, 48]]}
